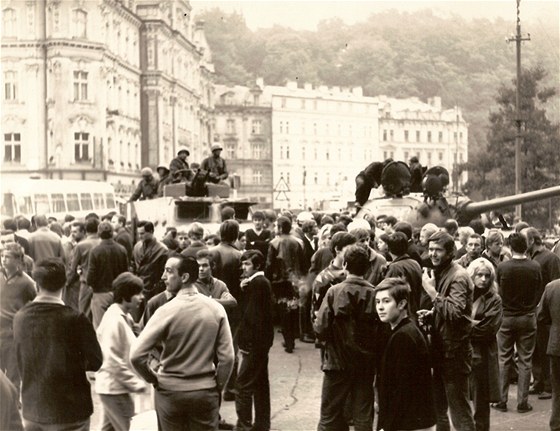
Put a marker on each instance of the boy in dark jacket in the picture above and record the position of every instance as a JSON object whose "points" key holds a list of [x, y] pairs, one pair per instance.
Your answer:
{"points": [[406, 400], [256, 334]]}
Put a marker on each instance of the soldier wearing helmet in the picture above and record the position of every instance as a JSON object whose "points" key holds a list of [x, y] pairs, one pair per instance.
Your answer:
{"points": [[147, 187], [179, 168], [164, 178], [215, 165]]}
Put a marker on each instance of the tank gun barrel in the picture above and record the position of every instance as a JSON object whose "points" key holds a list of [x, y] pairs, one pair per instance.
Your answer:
{"points": [[474, 208]]}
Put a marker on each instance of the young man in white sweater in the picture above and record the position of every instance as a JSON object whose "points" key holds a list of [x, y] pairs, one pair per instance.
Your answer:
{"points": [[115, 380]]}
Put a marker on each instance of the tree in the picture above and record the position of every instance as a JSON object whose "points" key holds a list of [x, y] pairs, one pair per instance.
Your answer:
{"points": [[491, 172]]}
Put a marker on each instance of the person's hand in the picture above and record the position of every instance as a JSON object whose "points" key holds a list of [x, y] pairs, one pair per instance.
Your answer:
{"points": [[244, 283], [423, 316], [429, 283]]}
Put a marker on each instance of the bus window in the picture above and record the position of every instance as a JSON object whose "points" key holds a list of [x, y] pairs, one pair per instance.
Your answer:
{"points": [[42, 204], [58, 204], [8, 204], [72, 202], [98, 201], [25, 205], [110, 199], [85, 200]]}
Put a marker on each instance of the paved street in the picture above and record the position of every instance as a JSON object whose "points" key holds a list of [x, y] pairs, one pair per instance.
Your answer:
{"points": [[295, 381]]}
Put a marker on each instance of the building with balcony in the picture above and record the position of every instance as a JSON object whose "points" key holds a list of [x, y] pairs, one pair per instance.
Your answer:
{"points": [[99, 89], [243, 128]]}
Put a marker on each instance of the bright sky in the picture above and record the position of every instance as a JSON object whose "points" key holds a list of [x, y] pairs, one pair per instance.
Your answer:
{"points": [[306, 14]]}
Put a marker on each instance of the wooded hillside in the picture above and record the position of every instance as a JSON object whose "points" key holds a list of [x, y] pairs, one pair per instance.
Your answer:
{"points": [[393, 53]]}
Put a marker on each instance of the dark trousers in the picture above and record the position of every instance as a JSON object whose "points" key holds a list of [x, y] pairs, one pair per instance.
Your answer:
{"points": [[451, 391], [84, 300], [481, 395], [305, 326], [555, 379], [519, 332], [541, 361], [253, 386], [82, 425], [71, 295], [289, 325], [118, 411], [337, 387], [187, 410], [8, 362]]}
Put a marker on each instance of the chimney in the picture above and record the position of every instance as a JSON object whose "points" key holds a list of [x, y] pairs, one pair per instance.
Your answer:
{"points": [[323, 88], [336, 90], [437, 103], [308, 86], [260, 83], [292, 85]]}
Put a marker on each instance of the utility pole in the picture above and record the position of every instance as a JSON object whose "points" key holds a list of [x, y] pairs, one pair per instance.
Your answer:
{"points": [[518, 119]]}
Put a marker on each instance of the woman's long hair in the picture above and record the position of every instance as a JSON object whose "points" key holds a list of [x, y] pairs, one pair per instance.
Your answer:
{"points": [[480, 263]]}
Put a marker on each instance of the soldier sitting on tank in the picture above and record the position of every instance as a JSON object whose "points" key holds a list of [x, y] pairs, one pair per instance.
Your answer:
{"points": [[434, 184], [416, 173], [179, 168], [147, 187], [215, 166], [164, 179], [369, 178]]}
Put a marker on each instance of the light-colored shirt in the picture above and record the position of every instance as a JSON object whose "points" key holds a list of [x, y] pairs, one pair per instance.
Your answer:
{"points": [[115, 337], [194, 330]]}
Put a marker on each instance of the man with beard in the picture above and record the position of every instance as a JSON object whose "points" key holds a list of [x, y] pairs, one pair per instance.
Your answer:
{"points": [[450, 290]]}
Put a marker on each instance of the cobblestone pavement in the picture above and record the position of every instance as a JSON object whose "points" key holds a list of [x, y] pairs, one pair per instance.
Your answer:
{"points": [[295, 381]]}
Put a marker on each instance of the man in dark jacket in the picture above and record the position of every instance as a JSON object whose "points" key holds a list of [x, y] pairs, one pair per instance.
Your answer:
{"points": [[149, 257], [55, 347], [549, 314], [406, 398], [179, 168], [106, 262], [122, 236], [79, 265], [404, 266], [147, 187], [215, 165], [283, 269], [256, 334], [550, 270], [450, 290], [348, 324]]}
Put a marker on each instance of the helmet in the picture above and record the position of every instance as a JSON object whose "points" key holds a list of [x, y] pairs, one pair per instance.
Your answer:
{"points": [[181, 149], [147, 172]]}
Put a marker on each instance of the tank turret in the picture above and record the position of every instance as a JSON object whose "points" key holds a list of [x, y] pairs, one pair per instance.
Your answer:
{"points": [[416, 209]]}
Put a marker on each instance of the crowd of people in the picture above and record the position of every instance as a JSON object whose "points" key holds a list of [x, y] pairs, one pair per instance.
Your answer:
{"points": [[417, 326]]}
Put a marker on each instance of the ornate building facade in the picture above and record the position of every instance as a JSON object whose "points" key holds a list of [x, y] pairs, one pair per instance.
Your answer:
{"points": [[243, 128], [98, 89], [302, 147], [437, 136], [321, 138]]}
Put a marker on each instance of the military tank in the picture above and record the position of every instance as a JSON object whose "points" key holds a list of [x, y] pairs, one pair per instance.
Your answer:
{"points": [[435, 204]]}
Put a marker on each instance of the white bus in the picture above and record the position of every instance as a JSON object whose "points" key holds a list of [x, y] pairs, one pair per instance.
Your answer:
{"points": [[56, 198]]}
